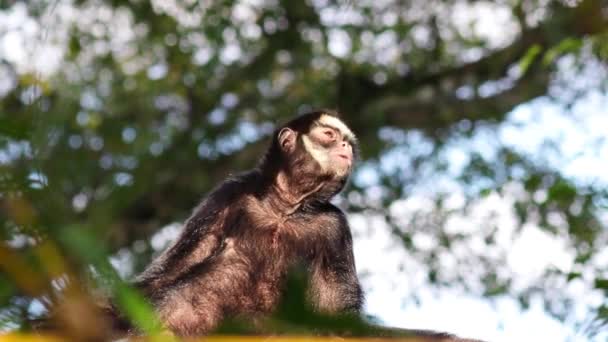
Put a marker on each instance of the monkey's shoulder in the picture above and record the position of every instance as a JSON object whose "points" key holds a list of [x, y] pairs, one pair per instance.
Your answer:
{"points": [[229, 192], [324, 211], [326, 221]]}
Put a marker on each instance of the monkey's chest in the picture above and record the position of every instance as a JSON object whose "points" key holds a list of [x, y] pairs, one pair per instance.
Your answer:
{"points": [[283, 241], [266, 254], [263, 248]]}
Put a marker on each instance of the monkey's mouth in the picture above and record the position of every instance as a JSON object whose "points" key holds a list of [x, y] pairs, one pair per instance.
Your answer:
{"points": [[344, 156], [344, 161]]}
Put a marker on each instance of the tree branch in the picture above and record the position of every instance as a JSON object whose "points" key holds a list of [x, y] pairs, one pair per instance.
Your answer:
{"points": [[420, 101]]}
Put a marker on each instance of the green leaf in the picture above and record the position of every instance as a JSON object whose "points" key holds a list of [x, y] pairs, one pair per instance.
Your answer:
{"points": [[529, 58], [485, 192], [562, 191], [574, 275], [139, 311], [83, 244], [601, 284], [565, 46], [13, 129]]}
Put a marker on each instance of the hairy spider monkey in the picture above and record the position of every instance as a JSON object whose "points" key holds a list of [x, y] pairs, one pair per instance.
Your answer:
{"points": [[234, 252]]}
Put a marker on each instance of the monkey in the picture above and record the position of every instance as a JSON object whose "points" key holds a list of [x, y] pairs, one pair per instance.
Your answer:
{"points": [[235, 250]]}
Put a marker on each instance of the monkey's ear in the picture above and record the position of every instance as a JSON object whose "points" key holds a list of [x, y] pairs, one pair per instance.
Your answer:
{"points": [[287, 139]]}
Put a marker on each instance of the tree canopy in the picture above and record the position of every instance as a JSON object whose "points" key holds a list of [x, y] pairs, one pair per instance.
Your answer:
{"points": [[116, 117]]}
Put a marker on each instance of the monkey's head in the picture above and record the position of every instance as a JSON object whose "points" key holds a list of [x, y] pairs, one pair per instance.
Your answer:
{"points": [[314, 147]]}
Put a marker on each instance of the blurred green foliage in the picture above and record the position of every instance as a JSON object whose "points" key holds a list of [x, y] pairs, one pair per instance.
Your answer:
{"points": [[147, 105]]}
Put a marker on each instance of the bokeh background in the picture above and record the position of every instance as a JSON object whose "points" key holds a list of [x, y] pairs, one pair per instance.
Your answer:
{"points": [[479, 205]]}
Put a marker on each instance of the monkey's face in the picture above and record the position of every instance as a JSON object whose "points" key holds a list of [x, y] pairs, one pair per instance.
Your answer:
{"points": [[331, 144], [320, 146]]}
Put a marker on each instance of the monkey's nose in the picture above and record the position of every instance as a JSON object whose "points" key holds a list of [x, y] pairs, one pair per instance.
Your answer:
{"points": [[346, 152], [348, 146]]}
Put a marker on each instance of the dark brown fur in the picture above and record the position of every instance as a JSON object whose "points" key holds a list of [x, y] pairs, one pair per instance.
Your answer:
{"points": [[235, 250]]}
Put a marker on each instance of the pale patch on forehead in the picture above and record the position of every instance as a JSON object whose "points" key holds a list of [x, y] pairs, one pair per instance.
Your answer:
{"points": [[336, 123]]}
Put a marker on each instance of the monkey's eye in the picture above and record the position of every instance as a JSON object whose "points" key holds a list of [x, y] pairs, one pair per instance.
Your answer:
{"points": [[330, 134]]}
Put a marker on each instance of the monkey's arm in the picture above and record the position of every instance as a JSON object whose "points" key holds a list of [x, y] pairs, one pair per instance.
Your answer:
{"points": [[200, 240], [334, 286]]}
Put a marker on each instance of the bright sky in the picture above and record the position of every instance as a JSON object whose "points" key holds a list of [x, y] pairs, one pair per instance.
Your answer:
{"points": [[529, 126]]}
